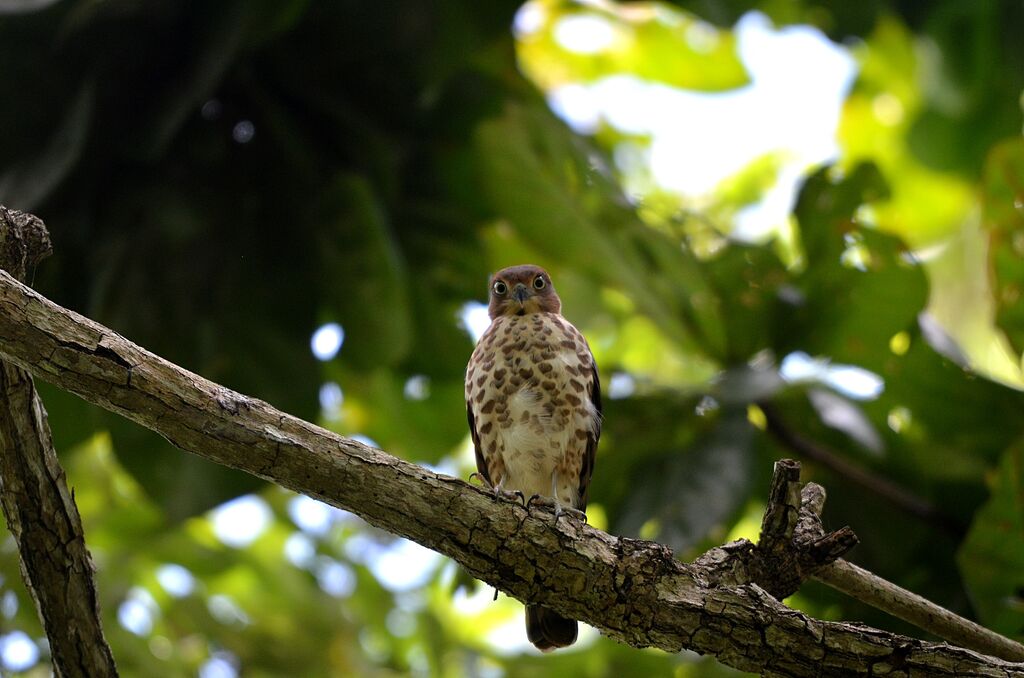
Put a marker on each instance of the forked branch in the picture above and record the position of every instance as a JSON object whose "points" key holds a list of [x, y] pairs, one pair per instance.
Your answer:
{"points": [[632, 590]]}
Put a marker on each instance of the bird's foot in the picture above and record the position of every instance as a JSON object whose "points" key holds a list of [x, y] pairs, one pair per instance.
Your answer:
{"points": [[560, 508], [498, 492]]}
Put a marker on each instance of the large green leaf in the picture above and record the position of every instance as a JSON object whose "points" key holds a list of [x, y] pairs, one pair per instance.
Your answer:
{"points": [[1003, 203], [679, 484], [860, 286], [992, 556], [751, 283]]}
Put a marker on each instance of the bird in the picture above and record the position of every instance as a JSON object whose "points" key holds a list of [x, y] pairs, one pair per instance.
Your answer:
{"points": [[533, 400]]}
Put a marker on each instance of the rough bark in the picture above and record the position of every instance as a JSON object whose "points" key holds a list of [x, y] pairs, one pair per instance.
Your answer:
{"points": [[634, 591], [39, 509]]}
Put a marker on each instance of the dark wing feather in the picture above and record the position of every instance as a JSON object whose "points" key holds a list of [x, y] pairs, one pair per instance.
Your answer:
{"points": [[587, 467], [481, 464]]}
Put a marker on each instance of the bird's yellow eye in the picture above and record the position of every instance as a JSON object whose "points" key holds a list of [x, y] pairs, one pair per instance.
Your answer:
{"points": [[538, 282], [500, 288]]}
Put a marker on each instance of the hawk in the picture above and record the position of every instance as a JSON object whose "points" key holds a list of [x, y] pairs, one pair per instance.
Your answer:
{"points": [[534, 405]]}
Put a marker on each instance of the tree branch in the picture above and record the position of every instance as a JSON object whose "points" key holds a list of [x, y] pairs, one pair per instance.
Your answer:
{"points": [[40, 512], [804, 507], [632, 590]]}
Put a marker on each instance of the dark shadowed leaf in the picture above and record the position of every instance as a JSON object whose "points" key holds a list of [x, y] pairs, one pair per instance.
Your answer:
{"points": [[213, 49], [26, 184], [992, 556], [749, 281], [364, 275], [685, 493]]}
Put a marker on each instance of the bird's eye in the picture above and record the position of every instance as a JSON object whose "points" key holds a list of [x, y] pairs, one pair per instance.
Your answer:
{"points": [[500, 288], [539, 283]]}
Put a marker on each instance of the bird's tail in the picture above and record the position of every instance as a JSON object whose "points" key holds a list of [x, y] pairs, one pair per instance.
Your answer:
{"points": [[549, 630]]}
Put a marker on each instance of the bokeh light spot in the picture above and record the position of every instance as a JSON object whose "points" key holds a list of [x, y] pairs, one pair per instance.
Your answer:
{"points": [[243, 131], [176, 580], [17, 651], [327, 341], [240, 521], [474, 319]]}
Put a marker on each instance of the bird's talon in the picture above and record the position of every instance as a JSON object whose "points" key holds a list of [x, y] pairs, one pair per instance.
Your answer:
{"points": [[576, 513], [508, 495]]}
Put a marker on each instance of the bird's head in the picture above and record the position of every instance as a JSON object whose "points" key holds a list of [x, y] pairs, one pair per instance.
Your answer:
{"points": [[520, 290]]}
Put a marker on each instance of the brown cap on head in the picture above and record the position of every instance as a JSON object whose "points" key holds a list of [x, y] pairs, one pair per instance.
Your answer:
{"points": [[520, 290]]}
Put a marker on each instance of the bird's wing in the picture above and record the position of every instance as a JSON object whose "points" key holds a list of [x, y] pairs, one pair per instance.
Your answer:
{"points": [[587, 467], [481, 463]]}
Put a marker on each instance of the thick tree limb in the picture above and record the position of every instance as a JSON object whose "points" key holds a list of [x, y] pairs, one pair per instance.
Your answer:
{"points": [[634, 591], [40, 511]]}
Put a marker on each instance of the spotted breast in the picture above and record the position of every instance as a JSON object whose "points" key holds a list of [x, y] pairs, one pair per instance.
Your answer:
{"points": [[531, 390]]}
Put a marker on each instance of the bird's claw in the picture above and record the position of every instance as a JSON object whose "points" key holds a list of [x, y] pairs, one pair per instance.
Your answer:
{"points": [[560, 508], [514, 495], [498, 492]]}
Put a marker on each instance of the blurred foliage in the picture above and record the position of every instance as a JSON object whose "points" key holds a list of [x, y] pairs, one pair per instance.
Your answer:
{"points": [[588, 43], [221, 179]]}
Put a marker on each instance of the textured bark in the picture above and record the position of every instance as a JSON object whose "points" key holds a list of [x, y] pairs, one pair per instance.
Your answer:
{"points": [[634, 591], [39, 509]]}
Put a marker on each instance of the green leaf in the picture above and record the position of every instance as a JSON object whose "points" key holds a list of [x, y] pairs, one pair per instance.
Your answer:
{"points": [[1003, 205], [860, 287], [272, 18], [992, 557], [749, 281], [668, 46]]}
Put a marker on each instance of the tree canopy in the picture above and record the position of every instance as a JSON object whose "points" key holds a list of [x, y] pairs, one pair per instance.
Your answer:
{"points": [[226, 182]]}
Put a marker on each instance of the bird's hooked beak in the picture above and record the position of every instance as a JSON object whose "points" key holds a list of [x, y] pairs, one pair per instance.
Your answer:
{"points": [[520, 293]]}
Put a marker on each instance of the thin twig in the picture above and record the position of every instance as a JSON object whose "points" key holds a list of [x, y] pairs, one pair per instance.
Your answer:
{"points": [[872, 590]]}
